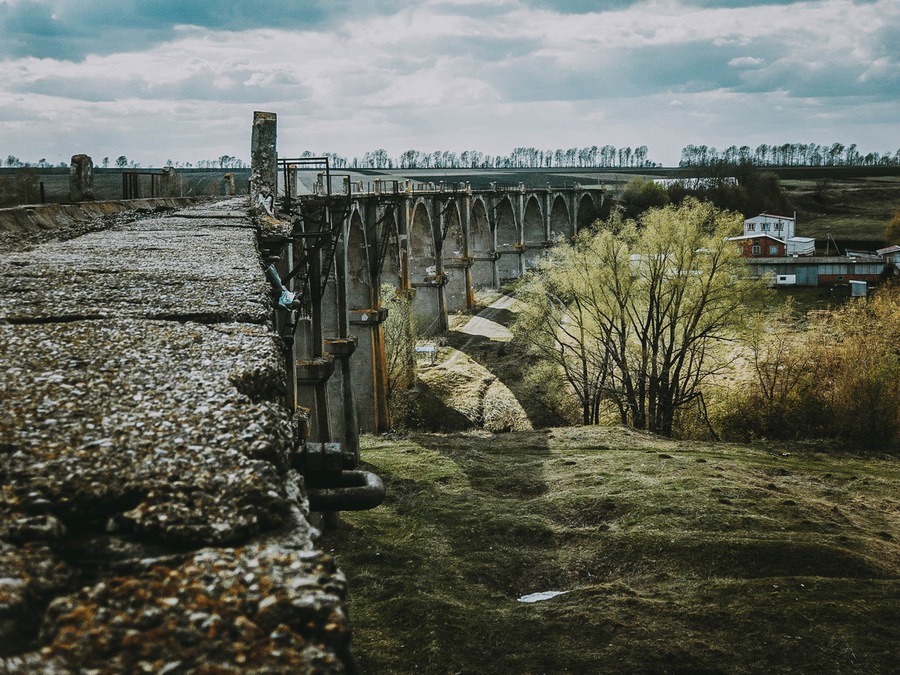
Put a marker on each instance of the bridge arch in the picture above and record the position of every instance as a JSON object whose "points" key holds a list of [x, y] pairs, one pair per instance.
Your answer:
{"points": [[389, 239], [507, 238], [587, 211], [422, 256], [533, 231], [560, 219], [429, 308], [455, 256], [359, 275], [481, 245]]}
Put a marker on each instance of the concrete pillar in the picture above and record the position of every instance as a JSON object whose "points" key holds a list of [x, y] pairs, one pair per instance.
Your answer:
{"points": [[81, 179], [263, 163], [229, 185], [521, 230], [168, 183], [341, 345], [455, 258]]}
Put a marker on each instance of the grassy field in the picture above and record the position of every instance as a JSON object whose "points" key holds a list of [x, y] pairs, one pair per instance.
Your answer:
{"points": [[855, 209], [674, 557]]}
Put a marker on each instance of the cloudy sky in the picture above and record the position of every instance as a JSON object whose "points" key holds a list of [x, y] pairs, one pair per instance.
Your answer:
{"points": [[180, 79]]}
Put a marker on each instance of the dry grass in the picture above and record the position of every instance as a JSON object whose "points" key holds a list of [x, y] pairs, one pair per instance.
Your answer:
{"points": [[677, 556]]}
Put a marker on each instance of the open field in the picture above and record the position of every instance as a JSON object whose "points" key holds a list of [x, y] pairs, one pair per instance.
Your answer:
{"points": [[854, 209], [673, 556]]}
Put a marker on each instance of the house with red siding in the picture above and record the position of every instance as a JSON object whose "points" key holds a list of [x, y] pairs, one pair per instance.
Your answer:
{"points": [[768, 236], [760, 246]]}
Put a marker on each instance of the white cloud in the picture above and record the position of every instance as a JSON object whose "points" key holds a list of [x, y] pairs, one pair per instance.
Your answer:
{"points": [[464, 74], [746, 62]]}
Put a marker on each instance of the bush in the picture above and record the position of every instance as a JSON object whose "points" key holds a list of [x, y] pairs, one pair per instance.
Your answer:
{"points": [[837, 378]]}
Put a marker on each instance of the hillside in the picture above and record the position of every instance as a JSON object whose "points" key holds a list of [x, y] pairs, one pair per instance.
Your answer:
{"points": [[672, 556], [852, 208]]}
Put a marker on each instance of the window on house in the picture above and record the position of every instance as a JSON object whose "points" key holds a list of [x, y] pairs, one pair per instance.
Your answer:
{"points": [[779, 226], [751, 227], [755, 250], [840, 277], [773, 250], [765, 226]]}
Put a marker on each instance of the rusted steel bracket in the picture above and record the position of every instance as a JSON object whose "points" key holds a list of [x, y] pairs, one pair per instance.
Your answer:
{"points": [[459, 263], [431, 281], [315, 371], [341, 348], [368, 317]]}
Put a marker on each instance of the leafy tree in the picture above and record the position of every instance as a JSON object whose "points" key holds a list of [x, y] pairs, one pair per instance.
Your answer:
{"points": [[632, 311], [122, 161], [892, 230], [641, 194]]}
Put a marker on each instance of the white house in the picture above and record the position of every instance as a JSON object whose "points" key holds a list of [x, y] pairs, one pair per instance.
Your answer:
{"points": [[781, 228]]}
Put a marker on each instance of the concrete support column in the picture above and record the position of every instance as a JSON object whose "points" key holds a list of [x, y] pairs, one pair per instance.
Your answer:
{"points": [[341, 347], [576, 203], [370, 370], [548, 204], [229, 185], [466, 215], [520, 230], [81, 179], [492, 223], [263, 163]]}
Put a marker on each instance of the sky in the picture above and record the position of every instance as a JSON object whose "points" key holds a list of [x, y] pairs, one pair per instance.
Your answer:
{"points": [[179, 79]]}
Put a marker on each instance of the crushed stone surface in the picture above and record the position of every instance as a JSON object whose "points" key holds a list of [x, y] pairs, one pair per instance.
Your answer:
{"points": [[150, 519], [161, 268]]}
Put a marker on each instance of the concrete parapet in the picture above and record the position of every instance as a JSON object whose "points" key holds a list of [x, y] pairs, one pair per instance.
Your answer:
{"points": [[48, 217], [152, 516], [81, 179]]}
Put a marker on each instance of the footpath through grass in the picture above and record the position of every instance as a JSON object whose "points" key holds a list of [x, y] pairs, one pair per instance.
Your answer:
{"points": [[675, 557]]}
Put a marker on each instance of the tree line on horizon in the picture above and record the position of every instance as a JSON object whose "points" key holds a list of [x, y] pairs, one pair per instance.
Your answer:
{"points": [[593, 157], [609, 156], [786, 154], [519, 158], [122, 162]]}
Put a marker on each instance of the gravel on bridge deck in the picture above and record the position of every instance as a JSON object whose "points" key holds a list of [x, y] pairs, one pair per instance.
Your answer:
{"points": [[150, 520]]}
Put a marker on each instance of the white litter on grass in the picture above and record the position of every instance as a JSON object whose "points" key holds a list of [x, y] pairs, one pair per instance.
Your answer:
{"points": [[537, 597]]}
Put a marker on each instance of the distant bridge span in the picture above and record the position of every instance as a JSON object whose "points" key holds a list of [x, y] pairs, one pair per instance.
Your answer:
{"points": [[435, 243]]}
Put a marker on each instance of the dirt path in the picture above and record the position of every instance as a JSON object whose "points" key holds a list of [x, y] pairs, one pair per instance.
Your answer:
{"points": [[492, 321]]}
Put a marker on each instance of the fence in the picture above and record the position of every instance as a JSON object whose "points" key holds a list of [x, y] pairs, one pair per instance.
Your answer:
{"points": [[34, 185]]}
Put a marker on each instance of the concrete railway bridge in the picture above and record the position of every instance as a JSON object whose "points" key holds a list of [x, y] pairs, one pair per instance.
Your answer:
{"points": [[182, 397], [433, 243]]}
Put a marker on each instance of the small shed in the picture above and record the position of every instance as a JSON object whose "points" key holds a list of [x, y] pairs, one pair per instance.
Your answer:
{"points": [[858, 289]]}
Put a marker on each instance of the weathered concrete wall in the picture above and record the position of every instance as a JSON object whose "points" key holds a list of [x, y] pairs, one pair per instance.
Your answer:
{"points": [[151, 517], [44, 217]]}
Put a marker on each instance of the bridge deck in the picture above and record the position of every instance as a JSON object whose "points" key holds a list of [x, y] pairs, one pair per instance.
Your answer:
{"points": [[142, 432]]}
